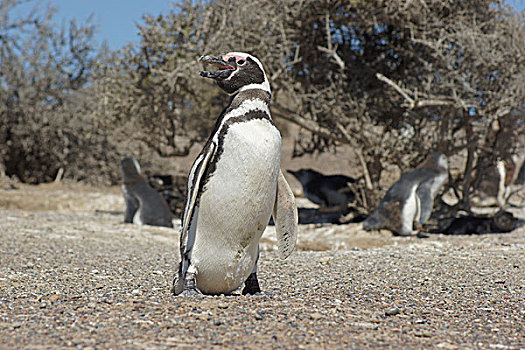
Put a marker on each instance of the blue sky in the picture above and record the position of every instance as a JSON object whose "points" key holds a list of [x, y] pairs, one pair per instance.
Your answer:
{"points": [[518, 4], [116, 19]]}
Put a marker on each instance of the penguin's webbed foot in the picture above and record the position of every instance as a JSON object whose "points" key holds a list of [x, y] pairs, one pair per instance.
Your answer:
{"points": [[191, 293], [190, 286], [251, 285]]}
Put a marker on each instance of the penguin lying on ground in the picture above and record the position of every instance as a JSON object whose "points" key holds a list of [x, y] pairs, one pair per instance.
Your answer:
{"points": [[144, 205], [233, 186], [329, 191], [502, 222], [411, 198]]}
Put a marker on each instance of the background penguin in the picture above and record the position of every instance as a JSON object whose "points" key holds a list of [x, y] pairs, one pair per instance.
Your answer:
{"points": [[233, 186], [329, 191], [172, 189], [144, 205], [428, 190], [502, 222], [520, 178], [403, 205], [491, 189]]}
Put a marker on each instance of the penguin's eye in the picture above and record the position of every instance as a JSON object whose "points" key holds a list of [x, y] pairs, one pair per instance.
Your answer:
{"points": [[241, 62]]}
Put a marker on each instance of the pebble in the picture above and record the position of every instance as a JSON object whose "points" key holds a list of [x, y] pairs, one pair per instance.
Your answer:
{"points": [[306, 304], [367, 325], [325, 260], [392, 311], [316, 316], [423, 334]]}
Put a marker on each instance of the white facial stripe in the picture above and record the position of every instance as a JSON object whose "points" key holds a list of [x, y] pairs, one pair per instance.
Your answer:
{"points": [[263, 86], [137, 165], [442, 162], [245, 107]]}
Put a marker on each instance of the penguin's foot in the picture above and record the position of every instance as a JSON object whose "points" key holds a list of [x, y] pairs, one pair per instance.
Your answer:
{"points": [[191, 293], [422, 235], [190, 286], [251, 285]]}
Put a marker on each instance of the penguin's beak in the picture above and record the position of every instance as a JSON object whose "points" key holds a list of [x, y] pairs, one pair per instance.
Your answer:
{"points": [[224, 68]]}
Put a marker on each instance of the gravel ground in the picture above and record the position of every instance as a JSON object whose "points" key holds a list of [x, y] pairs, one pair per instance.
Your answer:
{"points": [[83, 280]]}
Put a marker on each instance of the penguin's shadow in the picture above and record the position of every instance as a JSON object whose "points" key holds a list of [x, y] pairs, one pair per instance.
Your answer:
{"points": [[316, 216], [109, 212]]}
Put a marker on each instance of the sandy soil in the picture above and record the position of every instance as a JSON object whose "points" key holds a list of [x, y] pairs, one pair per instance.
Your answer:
{"points": [[73, 276]]}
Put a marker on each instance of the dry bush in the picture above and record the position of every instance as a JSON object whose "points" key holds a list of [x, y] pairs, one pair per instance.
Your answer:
{"points": [[392, 79], [47, 109]]}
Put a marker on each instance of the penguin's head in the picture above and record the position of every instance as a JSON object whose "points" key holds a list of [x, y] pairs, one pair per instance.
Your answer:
{"points": [[130, 170], [440, 161], [305, 175], [236, 71]]}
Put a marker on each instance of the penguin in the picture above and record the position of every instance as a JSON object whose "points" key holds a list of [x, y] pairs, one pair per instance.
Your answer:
{"points": [[492, 188], [520, 178], [411, 198], [501, 222], [172, 189], [329, 191], [428, 190], [234, 186], [144, 205]]}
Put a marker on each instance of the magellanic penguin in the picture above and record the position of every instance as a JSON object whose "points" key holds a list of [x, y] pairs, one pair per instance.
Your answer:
{"points": [[329, 191], [501, 222], [234, 186], [144, 205], [428, 190], [411, 198]]}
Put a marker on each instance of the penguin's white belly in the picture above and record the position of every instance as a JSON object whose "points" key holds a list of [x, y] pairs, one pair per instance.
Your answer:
{"points": [[137, 220], [236, 205], [410, 212]]}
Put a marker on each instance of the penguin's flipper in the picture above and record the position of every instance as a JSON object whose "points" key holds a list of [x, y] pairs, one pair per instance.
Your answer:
{"points": [[187, 236], [285, 217], [132, 205], [424, 194]]}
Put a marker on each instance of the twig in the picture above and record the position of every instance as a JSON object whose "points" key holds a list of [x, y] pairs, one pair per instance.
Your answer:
{"points": [[416, 103], [359, 152], [396, 87], [330, 50]]}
